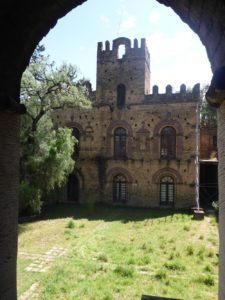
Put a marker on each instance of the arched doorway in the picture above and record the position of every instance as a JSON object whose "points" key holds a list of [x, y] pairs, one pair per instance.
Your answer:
{"points": [[73, 189]]}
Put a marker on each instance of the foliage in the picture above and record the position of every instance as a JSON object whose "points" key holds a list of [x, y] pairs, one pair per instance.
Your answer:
{"points": [[30, 198], [70, 224], [46, 151], [207, 112]]}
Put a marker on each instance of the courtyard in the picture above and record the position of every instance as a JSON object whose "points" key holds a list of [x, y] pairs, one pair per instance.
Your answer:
{"points": [[102, 252]]}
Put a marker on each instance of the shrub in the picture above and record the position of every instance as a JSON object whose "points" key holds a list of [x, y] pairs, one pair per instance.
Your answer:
{"points": [[30, 199], [207, 280], [174, 266], [190, 250], [208, 268], [102, 257], [70, 224], [186, 228], [161, 274], [124, 271]]}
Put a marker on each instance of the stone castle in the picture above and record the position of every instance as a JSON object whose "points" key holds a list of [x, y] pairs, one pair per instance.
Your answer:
{"points": [[136, 148]]}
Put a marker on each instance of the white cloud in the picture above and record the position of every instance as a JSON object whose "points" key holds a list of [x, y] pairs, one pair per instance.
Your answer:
{"points": [[154, 17], [128, 23], [177, 59], [104, 19]]}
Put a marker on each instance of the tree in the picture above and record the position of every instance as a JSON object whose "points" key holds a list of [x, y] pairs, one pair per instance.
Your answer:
{"points": [[46, 151], [208, 115]]}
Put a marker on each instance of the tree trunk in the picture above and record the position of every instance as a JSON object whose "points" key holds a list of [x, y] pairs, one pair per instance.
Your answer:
{"points": [[9, 183], [221, 175]]}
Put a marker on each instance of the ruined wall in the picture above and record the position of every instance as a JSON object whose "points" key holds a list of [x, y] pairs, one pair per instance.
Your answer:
{"points": [[208, 142]]}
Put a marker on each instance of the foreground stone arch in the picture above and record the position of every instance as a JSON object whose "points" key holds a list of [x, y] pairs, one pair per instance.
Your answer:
{"points": [[23, 24]]}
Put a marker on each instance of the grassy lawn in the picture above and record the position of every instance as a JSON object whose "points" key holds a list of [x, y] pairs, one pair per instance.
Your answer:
{"points": [[121, 253]]}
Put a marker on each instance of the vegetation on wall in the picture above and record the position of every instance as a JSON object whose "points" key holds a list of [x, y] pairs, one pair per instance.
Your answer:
{"points": [[207, 113], [45, 150]]}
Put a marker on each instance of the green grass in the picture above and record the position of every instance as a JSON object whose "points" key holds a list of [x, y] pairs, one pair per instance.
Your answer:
{"points": [[121, 253]]}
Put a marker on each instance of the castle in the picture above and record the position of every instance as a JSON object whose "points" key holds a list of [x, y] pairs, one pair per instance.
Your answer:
{"points": [[136, 148]]}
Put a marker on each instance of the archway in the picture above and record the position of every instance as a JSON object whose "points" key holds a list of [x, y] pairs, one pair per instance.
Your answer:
{"points": [[73, 189], [35, 19]]}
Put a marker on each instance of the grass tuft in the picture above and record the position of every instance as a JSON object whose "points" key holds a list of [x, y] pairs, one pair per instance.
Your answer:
{"points": [[124, 271], [70, 224]]}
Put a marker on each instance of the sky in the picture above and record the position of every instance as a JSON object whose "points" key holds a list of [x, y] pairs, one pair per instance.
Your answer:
{"points": [[177, 54]]}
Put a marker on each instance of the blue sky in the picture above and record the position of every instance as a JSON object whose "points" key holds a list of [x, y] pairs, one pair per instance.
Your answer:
{"points": [[177, 55]]}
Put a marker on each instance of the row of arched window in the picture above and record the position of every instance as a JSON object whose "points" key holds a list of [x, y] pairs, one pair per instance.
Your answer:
{"points": [[168, 142], [167, 145], [167, 190], [120, 189]]}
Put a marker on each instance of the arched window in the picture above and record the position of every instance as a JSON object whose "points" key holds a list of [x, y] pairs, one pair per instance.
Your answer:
{"points": [[167, 190], [120, 142], [168, 143], [121, 95], [76, 134], [119, 189]]}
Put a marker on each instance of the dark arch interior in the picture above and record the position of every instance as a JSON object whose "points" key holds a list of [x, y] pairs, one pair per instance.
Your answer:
{"points": [[73, 189]]}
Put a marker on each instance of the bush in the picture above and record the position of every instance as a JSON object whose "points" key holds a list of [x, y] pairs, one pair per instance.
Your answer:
{"points": [[102, 257], [207, 280], [174, 266], [70, 224], [29, 199], [161, 274], [124, 271], [190, 250]]}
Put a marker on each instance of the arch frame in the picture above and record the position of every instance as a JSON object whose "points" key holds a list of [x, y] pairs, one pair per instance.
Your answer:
{"points": [[157, 138], [110, 137], [156, 178]]}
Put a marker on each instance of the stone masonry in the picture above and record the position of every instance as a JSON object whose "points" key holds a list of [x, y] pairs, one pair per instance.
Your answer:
{"points": [[142, 116]]}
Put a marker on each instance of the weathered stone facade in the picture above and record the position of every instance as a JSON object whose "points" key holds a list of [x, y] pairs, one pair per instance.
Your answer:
{"points": [[142, 117]]}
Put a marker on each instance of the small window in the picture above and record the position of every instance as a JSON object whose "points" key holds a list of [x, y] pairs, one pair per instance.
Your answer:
{"points": [[121, 51], [76, 134], [121, 95], [167, 190], [119, 189], [120, 137], [168, 143]]}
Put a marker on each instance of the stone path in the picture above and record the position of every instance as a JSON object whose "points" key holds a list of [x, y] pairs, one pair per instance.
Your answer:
{"points": [[42, 262], [31, 293]]}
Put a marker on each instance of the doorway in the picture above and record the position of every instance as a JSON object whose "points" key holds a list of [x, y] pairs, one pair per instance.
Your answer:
{"points": [[73, 189]]}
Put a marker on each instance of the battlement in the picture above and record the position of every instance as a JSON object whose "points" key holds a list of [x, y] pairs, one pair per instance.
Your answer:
{"points": [[182, 95], [113, 52]]}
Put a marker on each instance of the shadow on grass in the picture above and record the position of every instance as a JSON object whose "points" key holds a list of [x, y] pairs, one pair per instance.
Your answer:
{"points": [[23, 227], [108, 213]]}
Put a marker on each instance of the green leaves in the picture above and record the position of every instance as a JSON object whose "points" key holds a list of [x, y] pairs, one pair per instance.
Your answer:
{"points": [[45, 151]]}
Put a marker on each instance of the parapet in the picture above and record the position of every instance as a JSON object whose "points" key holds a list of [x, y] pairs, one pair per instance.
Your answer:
{"points": [[182, 96], [108, 51]]}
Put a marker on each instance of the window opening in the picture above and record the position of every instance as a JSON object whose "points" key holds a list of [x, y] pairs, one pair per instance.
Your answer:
{"points": [[168, 143], [119, 189], [121, 95], [167, 190], [120, 137], [121, 51]]}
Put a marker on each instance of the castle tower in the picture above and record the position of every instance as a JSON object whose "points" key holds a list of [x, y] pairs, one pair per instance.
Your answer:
{"points": [[122, 79]]}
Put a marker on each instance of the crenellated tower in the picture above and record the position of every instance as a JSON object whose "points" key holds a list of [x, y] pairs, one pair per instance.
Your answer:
{"points": [[123, 72]]}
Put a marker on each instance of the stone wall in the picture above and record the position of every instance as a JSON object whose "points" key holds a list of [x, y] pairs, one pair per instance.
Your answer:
{"points": [[143, 123], [132, 70]]}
